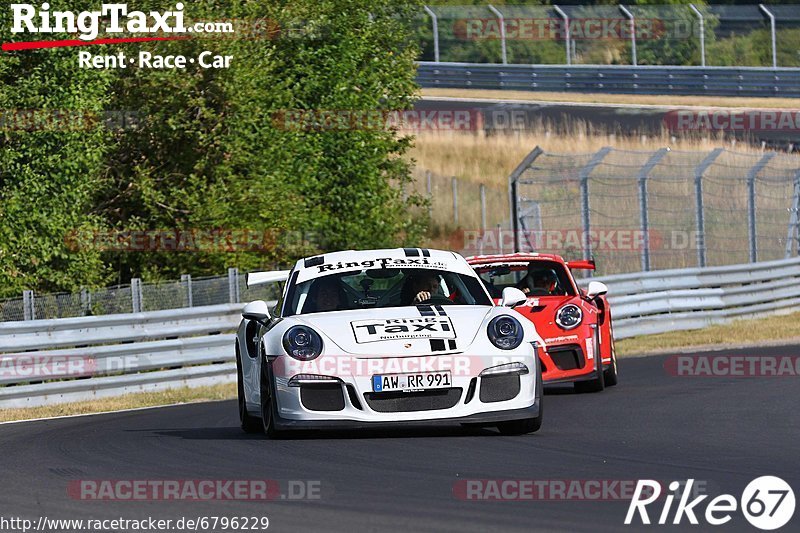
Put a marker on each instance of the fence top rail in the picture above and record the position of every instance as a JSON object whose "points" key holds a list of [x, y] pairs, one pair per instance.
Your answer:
{"points": [[112, 320], [697, 271], [584, 66]]}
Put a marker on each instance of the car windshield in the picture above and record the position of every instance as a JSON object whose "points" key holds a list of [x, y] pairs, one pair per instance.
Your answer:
{"points": [[537, 278], [383, 287]]}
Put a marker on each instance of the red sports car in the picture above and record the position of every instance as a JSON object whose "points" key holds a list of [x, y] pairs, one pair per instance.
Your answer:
{"points": [[574, 323]]}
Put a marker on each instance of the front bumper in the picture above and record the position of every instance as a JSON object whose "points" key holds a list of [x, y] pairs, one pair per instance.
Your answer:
{"points": [[570, 362], [471, 398], [487, 418]]}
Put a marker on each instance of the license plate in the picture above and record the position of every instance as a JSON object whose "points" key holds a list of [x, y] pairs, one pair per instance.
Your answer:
{"points": [[412, 382]]}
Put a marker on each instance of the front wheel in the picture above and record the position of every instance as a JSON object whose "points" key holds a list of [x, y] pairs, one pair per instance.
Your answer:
{"points": [[267, 402], [249, 423], [598, 383], [526, 425]]}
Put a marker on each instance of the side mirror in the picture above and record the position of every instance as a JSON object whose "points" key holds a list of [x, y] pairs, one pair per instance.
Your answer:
{"points": [[512, 297], [595, 289], [257, 311]]}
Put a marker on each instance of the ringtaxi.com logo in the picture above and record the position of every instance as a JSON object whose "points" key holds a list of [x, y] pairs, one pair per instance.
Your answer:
{"points": [[767, 502]]}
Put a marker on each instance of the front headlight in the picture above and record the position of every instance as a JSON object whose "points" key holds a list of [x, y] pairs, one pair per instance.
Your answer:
{"points": [[569, 316], [505, 332], [302, 343]]}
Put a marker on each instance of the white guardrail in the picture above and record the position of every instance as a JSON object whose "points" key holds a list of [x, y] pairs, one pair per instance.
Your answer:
{"points": [[138, 352]]}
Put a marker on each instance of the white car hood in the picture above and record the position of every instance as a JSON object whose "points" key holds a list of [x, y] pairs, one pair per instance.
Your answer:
{"points": [[400, 331]]}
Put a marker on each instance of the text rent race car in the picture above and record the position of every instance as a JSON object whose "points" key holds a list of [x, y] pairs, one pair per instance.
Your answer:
{"points": [[402, 336], [575, 324]]}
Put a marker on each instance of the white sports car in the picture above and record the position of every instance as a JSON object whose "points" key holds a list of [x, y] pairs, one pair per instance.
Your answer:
{"points": [[405, 336]]}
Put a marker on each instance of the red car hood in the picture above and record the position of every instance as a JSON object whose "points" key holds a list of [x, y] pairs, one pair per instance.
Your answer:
{"points": [[541, 310]]}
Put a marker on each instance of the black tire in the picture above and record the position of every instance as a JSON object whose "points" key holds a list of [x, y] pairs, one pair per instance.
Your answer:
{"points": [[610, 375], [267, 404], [598, 383], [526, 425], [249, 423]]}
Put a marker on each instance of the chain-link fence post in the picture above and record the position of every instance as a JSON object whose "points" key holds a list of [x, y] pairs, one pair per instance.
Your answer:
{"points": [[86, 302], [435, 22], [483, 218], [751, 204], [186, 282], [28, 306], [136, 295], [233, 285], [793, 233], [699, 208], [513, 191], [586, 171], [430, 194], [644, 217], [455, 200]]}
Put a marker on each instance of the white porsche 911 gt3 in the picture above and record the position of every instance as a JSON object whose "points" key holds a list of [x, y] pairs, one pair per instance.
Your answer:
{"points": [[405, 336]]}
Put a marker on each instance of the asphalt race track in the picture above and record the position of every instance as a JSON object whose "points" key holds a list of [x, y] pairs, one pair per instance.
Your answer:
{"points": [[724, 431], [508, 116]]}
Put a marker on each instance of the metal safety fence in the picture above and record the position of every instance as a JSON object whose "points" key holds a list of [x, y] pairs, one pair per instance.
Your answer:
{"points": [[737, 35], [137, 297], [640, 211], [72, 359]]}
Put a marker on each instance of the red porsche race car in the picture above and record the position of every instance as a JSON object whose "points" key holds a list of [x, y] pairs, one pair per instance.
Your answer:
{"points": [[574, 323]]}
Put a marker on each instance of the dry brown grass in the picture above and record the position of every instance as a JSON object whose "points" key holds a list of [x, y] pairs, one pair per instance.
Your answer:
{"points": [[223, 391], [489, 159], [638, 99], [740, 332]]}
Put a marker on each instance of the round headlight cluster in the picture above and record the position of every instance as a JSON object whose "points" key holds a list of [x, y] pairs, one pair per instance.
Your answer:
{"points": [[569, 316], [302, 343], [505, 332]]}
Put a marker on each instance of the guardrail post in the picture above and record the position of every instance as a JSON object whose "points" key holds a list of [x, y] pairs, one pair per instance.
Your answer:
{"points": [[136, 295], [513, 189], [772, 32], [644, 215], [233, 285], [28, 306], [633, 33], [699, 208], [435, 22], [502, 22], [794, 220], [567, 36], [586, 171], [702, 34], [455, 200], [186, 281], [751, 204]]}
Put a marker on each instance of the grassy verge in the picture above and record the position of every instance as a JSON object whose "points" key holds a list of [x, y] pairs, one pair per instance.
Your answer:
{"points": [[637, 99], [129, 401], [740, 332]]}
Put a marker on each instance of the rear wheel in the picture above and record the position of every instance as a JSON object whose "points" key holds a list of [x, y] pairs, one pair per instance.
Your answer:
{"points": [[249, 423], [267, 402]]}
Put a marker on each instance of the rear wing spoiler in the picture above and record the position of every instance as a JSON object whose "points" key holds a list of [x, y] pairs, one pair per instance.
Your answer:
{"points": [[260, 278], [583, 264]]}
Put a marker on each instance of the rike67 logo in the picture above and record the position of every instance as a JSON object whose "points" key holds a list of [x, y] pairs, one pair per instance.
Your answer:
{"points": [[767, 503]]}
